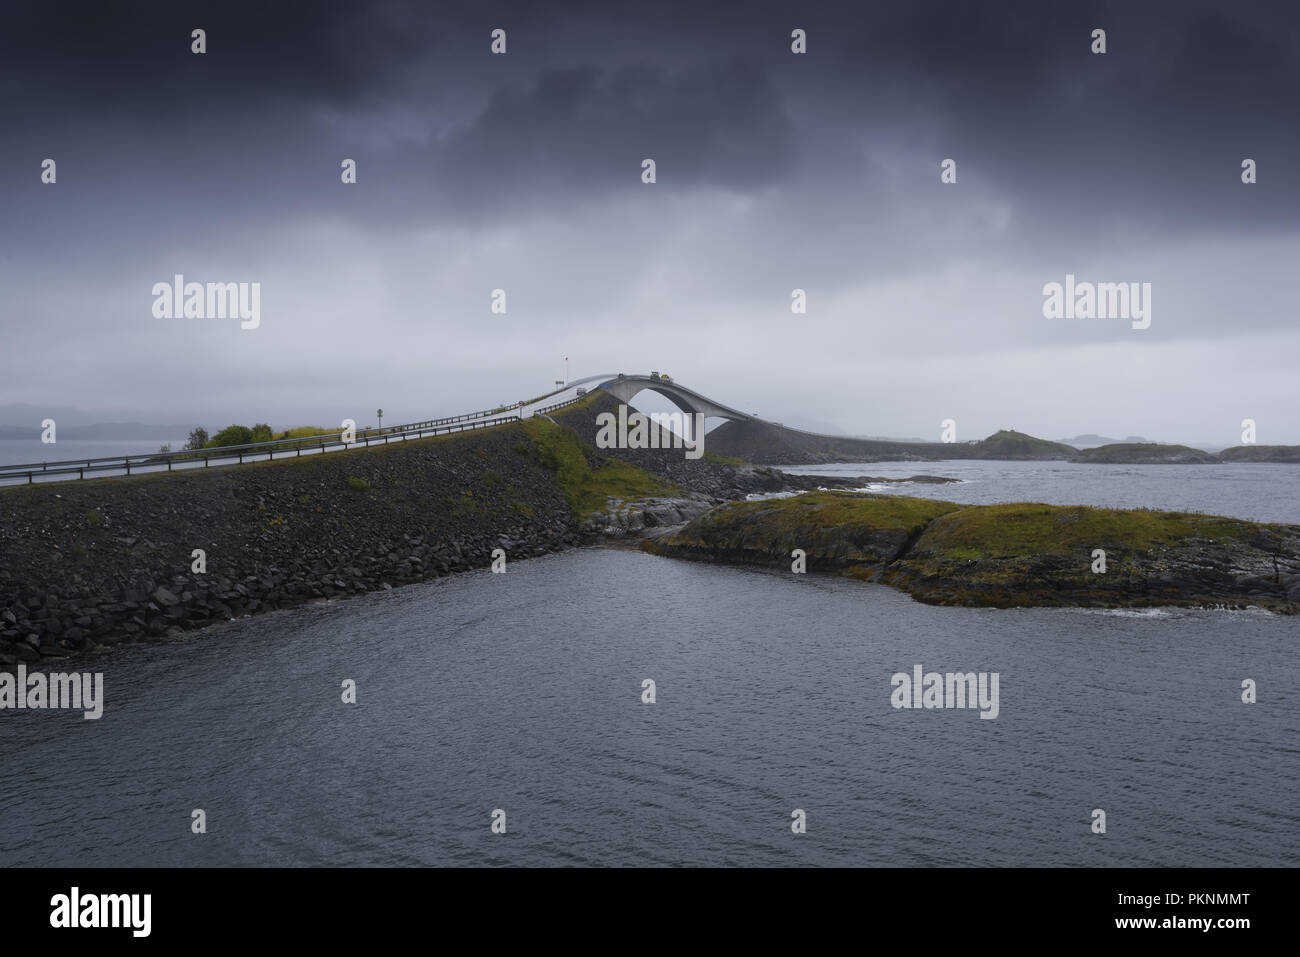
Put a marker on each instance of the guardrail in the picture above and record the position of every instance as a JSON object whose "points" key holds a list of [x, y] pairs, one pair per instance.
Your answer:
{"points": [[558, 405], [497, 411], [453, 419], [160, 461]]}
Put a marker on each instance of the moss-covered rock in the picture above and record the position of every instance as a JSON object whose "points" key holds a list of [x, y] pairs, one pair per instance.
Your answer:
{"points": [[836, 530], [1022, 554]]}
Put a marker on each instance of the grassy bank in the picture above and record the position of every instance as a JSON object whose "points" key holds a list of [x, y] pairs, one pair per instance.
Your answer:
{"points": [[1020, 554]]}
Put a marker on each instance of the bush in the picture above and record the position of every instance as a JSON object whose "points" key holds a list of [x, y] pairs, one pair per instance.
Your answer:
{"points": [[198, 439], [231, 435], [359, 484]]}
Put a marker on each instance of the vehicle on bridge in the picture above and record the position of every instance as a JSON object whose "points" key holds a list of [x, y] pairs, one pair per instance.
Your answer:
{"points": [[582, 390]]}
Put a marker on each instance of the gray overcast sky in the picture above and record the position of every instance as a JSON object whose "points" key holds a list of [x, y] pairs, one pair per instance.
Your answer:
{"points": [[775, 171]]}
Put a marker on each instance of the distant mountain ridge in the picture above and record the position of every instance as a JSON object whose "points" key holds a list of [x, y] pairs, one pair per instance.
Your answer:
{"points": [[1145, 453], [1091, 439], [1153, 453], [767, 443]]}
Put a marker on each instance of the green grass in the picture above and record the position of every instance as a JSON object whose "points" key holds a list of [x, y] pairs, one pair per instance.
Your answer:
{"points": [[842, 529], [1011, 555], [468, 505], [889, 513], [723, 459], [949, 531], [1261, 453], [305, 432], [1021, 528], [1012, 443], [587, 486]]}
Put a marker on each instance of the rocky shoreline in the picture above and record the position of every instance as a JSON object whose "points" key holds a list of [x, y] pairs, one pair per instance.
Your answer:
{"points": [[87, 566], [91, 565], [1020, 555]]}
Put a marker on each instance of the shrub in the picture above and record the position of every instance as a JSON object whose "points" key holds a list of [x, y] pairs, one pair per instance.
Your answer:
{"points": [[231, 435]]}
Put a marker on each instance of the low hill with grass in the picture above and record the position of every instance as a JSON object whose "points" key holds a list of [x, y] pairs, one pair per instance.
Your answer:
{"points": [[1010, 444], [1148, 453], [1262, 453], [1022, 554], [770, 444]]}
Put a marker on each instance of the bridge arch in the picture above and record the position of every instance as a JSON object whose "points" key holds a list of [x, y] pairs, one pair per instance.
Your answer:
{"points": [[626, 387]]}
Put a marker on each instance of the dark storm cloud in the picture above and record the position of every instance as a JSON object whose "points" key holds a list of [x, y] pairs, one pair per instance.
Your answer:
{"points": [[262, 120], [1147, 139], [133, 59], [774, 171], [718, 125], [1151, 134]]}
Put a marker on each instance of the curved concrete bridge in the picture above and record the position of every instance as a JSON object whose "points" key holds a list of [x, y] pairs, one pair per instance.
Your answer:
{"points": [[625, 388]]}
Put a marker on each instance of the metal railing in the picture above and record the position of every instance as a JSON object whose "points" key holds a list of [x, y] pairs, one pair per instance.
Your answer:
{"points": [[558, 405], [453, 419], [497, 411], [254, 451]]}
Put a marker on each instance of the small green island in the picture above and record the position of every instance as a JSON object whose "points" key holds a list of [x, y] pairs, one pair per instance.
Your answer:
{"points": [[1154, 453], [1013, 555], [1145, 453]]}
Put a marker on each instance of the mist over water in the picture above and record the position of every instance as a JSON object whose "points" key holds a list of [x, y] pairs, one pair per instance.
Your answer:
{"points": [[30, 451]]}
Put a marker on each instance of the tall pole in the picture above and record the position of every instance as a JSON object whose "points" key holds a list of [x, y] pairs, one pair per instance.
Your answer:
{"points": [[566, 368]]}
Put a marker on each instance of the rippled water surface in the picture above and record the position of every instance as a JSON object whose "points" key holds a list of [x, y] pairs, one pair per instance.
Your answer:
{"points": [[523, 692]]}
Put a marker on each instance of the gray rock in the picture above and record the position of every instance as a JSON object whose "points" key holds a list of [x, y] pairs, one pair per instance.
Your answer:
{"points": [[164, 598]]}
